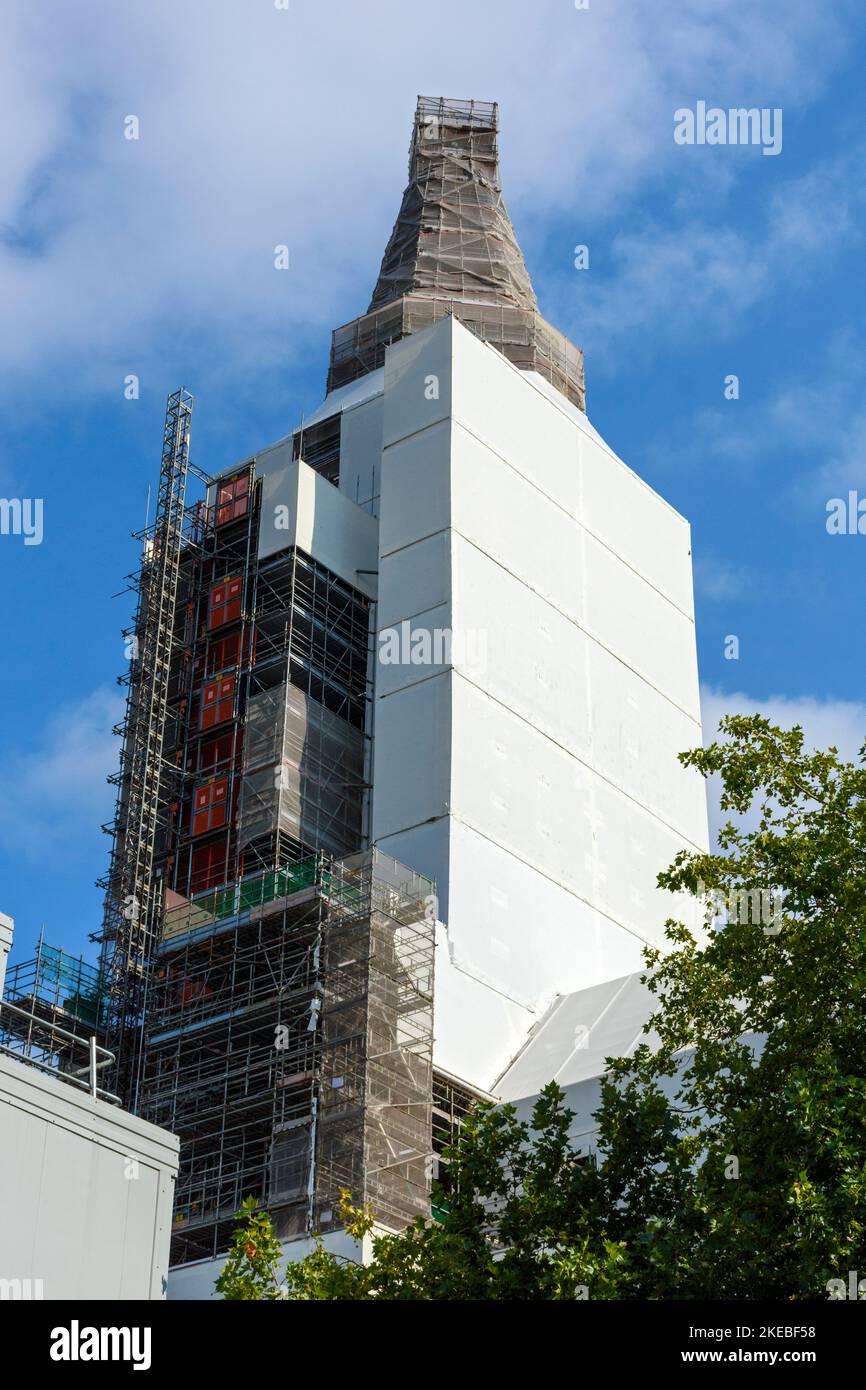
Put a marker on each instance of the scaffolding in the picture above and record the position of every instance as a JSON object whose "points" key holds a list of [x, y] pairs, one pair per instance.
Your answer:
{"points": [[133, 890], [289, 1046], [319, 447], [230, 1054], [213, 653], [453, 1102], [269, 978], [374, 1112], [304, 785], [453, 236], [303, 773], [521, 335], [453, 251], [295, 628], [313, 628], [52, 1012]]}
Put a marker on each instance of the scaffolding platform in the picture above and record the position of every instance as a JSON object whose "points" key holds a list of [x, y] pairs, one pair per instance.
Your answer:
{"points": [[289, 1046]]}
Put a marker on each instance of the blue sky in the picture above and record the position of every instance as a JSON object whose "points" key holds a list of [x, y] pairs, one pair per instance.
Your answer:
{"points": [[260, 127]]}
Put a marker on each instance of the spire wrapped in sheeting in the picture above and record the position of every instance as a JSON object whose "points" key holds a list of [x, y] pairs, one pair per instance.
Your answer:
{"points": [[453, 235], [453, 250]]}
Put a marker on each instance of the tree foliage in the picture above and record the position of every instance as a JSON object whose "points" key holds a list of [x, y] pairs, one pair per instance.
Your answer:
{"points": [[252, 1271], [732, 1143]]}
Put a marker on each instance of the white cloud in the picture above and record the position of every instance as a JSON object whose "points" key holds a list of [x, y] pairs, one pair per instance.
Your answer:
{"points": [[54, 794], [261, 126], [841, 723], [825, 723], [703, 272]]}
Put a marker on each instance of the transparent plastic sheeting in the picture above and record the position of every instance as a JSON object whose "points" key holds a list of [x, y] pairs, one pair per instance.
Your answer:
{"points": [[453, 250], [303, 772]]}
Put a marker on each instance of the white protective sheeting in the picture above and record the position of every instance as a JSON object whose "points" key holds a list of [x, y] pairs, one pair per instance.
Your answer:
{"points": [[347, 397], [576, 1035], [301, 508], [499, 1025], [195, 1282], [361, 453], [545, 793]]}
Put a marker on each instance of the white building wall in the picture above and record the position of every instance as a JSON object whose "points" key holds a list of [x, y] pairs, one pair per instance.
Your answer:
{"points": [[533, 773], [86, 1191]]}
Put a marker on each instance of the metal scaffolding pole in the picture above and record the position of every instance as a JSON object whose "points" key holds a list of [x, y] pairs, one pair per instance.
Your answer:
{"points": [[134, 896]]}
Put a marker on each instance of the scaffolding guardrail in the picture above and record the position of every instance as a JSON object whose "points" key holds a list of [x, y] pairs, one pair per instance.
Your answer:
{"points": [[25, 1032]]}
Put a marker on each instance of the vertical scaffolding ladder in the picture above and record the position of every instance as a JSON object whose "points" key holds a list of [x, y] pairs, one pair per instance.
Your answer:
{"points": [[133, 901]]}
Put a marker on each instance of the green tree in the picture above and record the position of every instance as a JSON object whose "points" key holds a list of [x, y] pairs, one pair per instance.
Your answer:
{"points": [[251, 1272], [732, 1144], [751, 1181]]}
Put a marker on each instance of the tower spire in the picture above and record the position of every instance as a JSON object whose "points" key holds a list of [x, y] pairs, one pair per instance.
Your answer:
{"points": [[453, 236], [453, 250]]}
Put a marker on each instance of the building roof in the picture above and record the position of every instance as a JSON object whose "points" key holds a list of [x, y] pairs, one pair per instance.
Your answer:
{"points": [[577, 1033]]}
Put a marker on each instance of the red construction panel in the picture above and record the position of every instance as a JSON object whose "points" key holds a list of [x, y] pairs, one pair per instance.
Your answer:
{"points": [[217, 701], [215, 753], [234, 597], [225, 602], [226, 698], [209, 806], [224, 653], [233, 499], [209, 705], [208, 866]]}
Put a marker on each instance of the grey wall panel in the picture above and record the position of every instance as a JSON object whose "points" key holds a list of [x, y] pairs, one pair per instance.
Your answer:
{"points": [[85, 1191]]}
